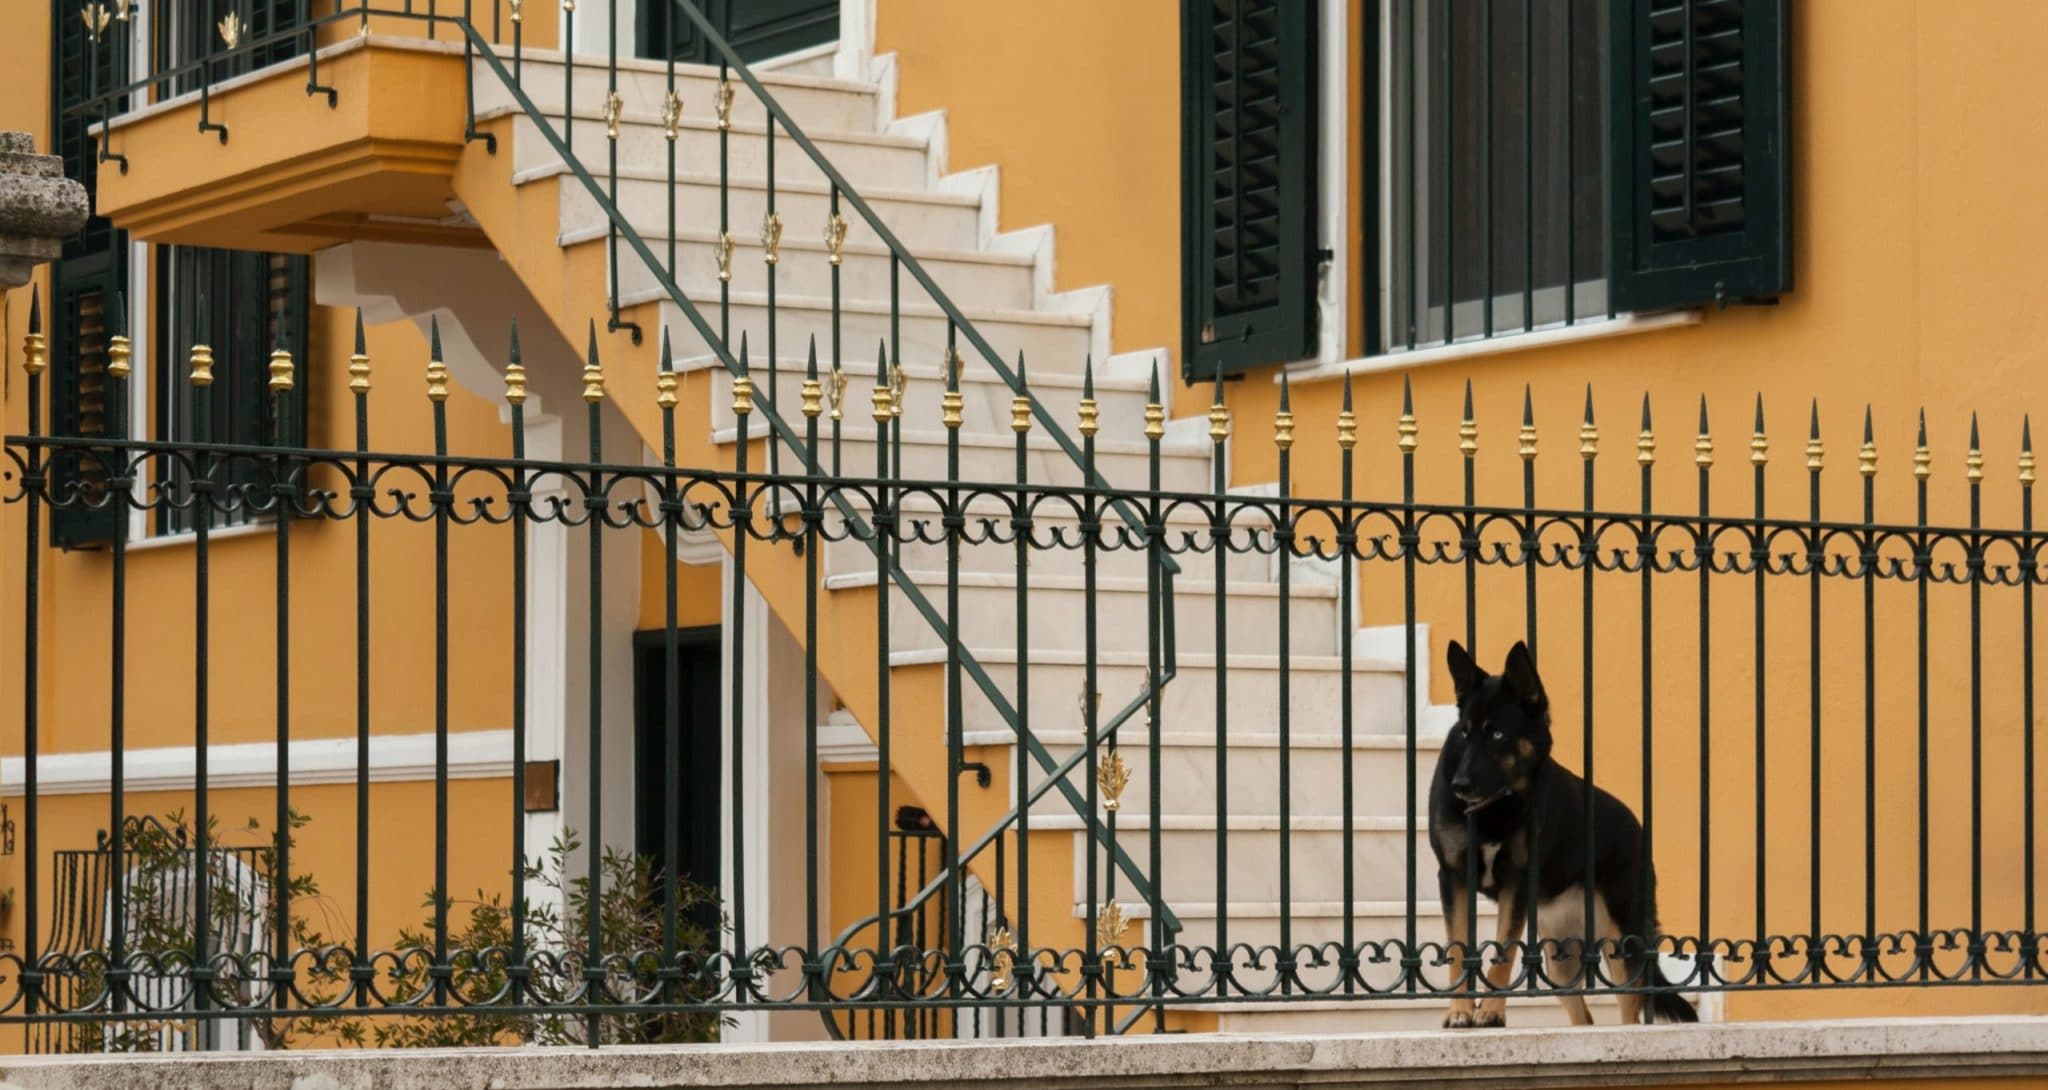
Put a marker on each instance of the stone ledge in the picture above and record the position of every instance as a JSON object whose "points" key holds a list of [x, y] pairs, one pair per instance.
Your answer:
{"points": [[1885, 1050]]}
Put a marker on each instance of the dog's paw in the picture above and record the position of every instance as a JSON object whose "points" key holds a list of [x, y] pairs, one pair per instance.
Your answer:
{"points": [[1458, 1018], [1490, 1017]]}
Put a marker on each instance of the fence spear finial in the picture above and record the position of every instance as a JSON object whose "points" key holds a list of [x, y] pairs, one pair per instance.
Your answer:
{"points": [[1468, 426], [1283, 419], [1525, 440], [515, 372], [1020, 404], [33, 346], [1923, 459], [1646, 442], [280, 353], [1814, 451], [593, 369], [359, 363], [665, 378], [2026, 451], [814, 390], [1405, 427], [1759, 443], [1589, 433], [1974, 460], [1219, 416], [883, 394], [1866, 458], [119, 351], [1703, 443], [1087, 410], [1155, 410], [437, 369], [1347, 420]]}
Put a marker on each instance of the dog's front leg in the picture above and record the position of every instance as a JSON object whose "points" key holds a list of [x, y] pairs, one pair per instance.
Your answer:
{"points": [[1452, 889], [1493, 1010]]}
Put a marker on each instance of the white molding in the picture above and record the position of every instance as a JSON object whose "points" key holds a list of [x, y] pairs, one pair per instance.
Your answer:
{"points": [[186, 537], [754, 786], [841, 740], [394, 758], [1593, 330], [855, 50]]}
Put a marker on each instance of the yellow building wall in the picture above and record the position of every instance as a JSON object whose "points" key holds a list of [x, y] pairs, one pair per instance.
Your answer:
{"points": [[75, 608], [1917, 254]]}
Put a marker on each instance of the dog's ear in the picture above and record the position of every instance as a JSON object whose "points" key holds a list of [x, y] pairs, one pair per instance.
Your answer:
{"points": [[1465, 674], [1521, 675]]}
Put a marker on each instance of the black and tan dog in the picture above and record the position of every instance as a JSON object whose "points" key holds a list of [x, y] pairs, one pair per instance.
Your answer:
{"points": [[1496, 773]]}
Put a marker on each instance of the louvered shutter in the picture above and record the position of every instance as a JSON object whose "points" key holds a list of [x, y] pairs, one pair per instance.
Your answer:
{"points": [[1248, 243], [1702, 194], [83, 293], [756, 29]]}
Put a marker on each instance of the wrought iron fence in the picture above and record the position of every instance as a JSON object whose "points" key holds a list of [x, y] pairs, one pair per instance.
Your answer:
{"points": [[1404, 558], [1387, 550]]}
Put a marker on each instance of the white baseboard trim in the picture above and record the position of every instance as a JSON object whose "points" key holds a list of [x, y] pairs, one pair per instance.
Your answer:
{"points": [[394, 758]]}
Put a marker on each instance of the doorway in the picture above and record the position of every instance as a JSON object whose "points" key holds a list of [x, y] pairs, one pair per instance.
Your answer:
{"points": [[694, 779]]}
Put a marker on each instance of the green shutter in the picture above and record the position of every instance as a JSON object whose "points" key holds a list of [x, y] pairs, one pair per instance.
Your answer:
{"points": [[1702, 192], [1248, 244], [80, 405]]}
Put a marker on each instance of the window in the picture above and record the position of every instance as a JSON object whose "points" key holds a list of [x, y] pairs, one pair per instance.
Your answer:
{"points": [[242, 305], [1529, 164], [757, 29], [1495, 209]]}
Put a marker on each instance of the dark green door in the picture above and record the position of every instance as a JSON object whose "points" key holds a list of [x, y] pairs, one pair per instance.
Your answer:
{"points": [[692, 780], [757, 29]]}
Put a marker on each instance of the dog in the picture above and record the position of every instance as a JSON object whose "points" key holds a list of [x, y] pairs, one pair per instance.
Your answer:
{"points": [[1496, 773]]}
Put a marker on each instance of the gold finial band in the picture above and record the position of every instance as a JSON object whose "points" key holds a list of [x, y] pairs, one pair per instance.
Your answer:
{"points": [[1923, 462], [437, 380], [665, 389], [593, 383], [280, 371], [1020, 414], [119, 352], [202, 365], [1283, 429], [1468, 437], [1090, 417], [35, 349], [359, 375], [1866, 459], [882, 399], [1155, 420], [742, 397], [814, 397], [1405, 428], [1347, 429], [950, 409], [515, 385], [1703, 450], [1219, 423], [1589, 440], [1816, 454], [1759, 448], [2026, 469], [1973, 465], [1646, 448]]}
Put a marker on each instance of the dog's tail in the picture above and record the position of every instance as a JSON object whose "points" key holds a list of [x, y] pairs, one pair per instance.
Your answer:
{"points": [[1664, 1003]]}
